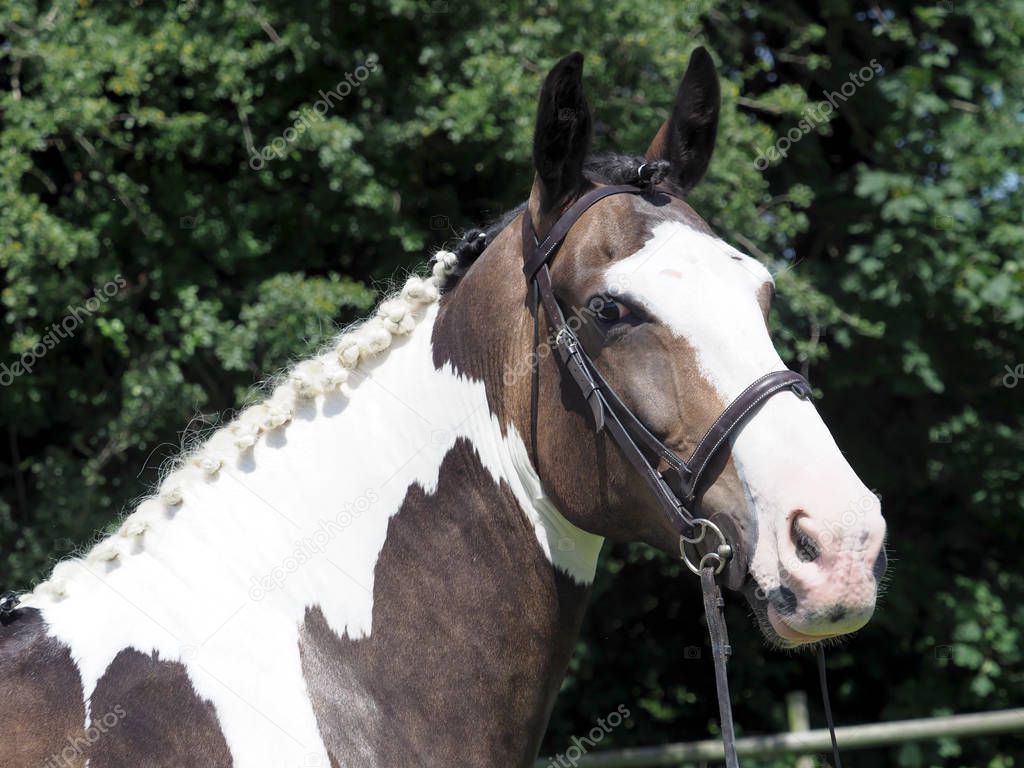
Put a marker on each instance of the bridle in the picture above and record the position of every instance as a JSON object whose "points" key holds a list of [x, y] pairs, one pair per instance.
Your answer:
{"points": [[679, 486]]}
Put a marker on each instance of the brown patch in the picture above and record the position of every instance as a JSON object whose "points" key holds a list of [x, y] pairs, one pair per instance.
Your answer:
{"points": [[41, 699], [472, 632], [145, 712]]}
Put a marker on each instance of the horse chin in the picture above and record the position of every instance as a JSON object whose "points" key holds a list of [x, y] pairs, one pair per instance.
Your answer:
{"points": [[777, 632], [790, 635]]}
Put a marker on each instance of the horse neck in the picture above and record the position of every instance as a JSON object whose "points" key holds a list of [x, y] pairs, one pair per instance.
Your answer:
{"points": [[395, 531]]}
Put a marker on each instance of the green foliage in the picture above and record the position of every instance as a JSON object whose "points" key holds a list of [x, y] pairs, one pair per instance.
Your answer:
{"points": [[126, 156]]}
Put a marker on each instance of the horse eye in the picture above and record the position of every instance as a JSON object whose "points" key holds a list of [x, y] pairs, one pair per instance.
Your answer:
{"points": [[608, 310]]}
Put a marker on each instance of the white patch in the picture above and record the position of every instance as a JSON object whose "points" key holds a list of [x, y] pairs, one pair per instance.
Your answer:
{"points": [[298, 520], [705, 291]]}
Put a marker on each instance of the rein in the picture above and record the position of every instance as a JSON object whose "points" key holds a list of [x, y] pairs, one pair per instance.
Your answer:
{"points": [[678, 487]]}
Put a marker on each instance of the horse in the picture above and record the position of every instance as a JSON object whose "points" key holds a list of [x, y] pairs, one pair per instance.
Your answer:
{"points": [[385, 562]]}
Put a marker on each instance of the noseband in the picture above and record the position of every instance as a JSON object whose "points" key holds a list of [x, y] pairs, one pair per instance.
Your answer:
{"points": [[679, 486]]}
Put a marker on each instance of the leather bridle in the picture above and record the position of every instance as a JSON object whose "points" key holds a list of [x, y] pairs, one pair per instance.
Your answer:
{"points": [[679, 486]]}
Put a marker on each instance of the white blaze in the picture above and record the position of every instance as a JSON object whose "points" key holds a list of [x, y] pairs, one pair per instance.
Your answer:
{"points": [[705, 291]]}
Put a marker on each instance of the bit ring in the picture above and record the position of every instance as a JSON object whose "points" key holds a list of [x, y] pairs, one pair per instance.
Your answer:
{"points": [[721, 556]]}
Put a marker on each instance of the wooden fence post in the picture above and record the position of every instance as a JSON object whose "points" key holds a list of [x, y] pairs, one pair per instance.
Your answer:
{"points": [[799, 721]]}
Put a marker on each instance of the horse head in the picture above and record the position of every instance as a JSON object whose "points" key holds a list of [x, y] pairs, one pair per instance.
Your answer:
{"points": [[676, 321]]}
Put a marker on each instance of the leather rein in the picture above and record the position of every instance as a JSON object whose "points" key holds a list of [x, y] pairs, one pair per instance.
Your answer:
{"points": [[677, 487]]}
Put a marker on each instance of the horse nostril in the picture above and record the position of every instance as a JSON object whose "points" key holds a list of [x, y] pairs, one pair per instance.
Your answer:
{"points": [[881, 565], [806, 548]]}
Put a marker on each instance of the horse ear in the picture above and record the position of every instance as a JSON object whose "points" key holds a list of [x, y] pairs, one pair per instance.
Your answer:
{"points": [[562, 134], [687, 138]]}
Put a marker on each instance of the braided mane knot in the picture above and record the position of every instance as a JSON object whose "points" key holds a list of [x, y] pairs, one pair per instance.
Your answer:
{"points": [[327, 373]]}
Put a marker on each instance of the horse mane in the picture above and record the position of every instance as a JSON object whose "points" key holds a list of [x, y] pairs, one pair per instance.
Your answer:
{"points": [[326, 372]]}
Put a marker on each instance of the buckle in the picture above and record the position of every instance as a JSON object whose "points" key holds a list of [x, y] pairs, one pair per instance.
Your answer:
{"points": [[566, 338], [571, 352]]}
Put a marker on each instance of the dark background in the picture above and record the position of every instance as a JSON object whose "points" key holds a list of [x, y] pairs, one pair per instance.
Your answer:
{"points": [[126, 132]]}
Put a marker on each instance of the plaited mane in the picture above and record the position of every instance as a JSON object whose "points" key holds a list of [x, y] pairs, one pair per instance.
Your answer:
{"points": [[327, 372]]}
